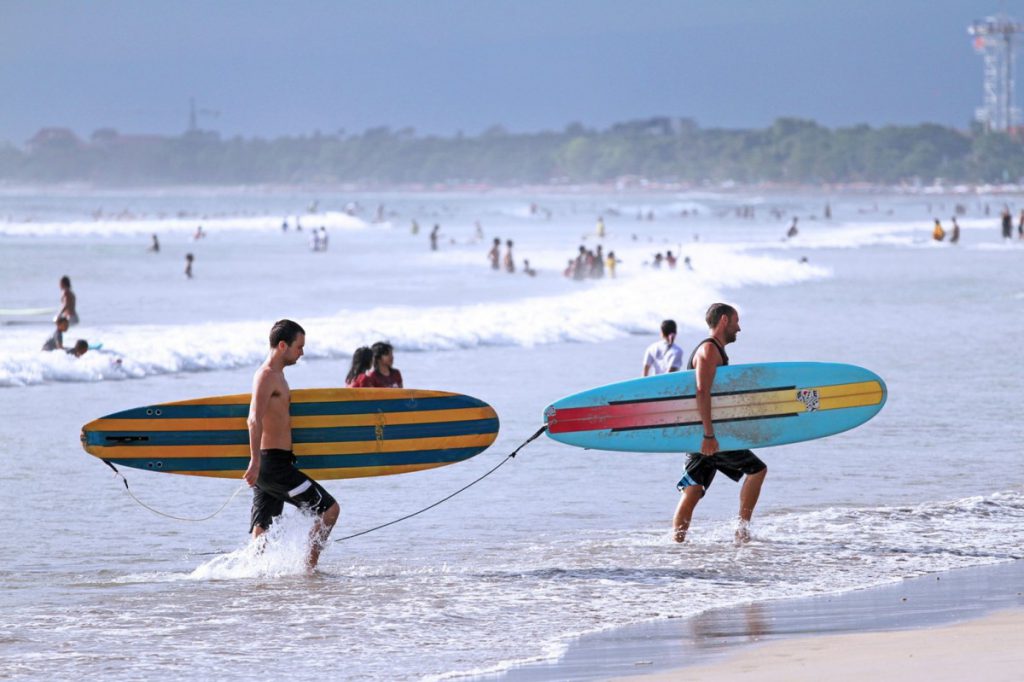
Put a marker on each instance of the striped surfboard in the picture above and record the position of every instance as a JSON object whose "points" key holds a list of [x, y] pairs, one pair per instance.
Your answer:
{"points": [[336, 433], [27, 312], [752, 406]]}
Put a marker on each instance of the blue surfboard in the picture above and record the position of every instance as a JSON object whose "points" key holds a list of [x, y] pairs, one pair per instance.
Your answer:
{"points": [[752, 406]]}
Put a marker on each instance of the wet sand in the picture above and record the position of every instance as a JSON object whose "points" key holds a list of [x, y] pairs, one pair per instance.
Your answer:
{"points": [[988, 648], [825, 637]]}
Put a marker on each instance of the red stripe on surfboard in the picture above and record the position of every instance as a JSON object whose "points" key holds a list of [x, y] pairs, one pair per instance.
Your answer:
{"points": [[621, 416]]}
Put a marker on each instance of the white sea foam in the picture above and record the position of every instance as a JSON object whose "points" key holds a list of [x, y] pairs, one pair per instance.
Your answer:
{"points": [[660, 209], [282, 551], [526, 600], [639, 576], [603, 579], [818, 235], [132, 225], [598, 311], [629, 579]]}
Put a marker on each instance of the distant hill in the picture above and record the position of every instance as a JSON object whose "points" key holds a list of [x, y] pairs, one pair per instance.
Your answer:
{"points": [[656, 149]]}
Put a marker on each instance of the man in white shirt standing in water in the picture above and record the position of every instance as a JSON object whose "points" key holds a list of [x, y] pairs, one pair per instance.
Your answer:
{"points": [[272, 473], [664, 356]]}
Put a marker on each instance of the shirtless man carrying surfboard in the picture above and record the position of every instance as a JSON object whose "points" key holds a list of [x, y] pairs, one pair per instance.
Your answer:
{"points": [[723, 325], [272, 472]]}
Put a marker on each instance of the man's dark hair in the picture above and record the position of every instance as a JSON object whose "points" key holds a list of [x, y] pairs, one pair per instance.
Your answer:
{"points": [[668, 327], [65, 281], [715, 313], [285, 330]]}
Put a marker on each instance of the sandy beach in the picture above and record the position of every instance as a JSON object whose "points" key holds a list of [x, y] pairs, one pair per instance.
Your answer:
{"points": [[988, 648], [934, 627]]}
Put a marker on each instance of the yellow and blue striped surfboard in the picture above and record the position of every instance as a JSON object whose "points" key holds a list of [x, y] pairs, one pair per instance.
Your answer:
{"points": [[336, 433]]}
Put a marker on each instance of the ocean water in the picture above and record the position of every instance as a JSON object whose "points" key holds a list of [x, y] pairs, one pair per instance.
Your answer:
{"points": [[558, 542]]}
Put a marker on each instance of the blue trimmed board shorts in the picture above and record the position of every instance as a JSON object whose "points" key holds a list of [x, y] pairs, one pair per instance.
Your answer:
{"points": [[701, 470], [281, 481]]}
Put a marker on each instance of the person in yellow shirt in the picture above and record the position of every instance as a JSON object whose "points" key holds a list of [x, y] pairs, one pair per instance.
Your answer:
{"points": [[938, 234], [610, 264]]}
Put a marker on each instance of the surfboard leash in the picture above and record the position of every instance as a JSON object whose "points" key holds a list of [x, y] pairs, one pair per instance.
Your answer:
{"points": [[510, 456], [165, 514], [469, 485]]}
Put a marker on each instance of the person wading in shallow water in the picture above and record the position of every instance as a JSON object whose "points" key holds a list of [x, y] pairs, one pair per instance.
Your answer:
{"points": [[272, 472], [68, 302], [664, 356], [701, 467]]}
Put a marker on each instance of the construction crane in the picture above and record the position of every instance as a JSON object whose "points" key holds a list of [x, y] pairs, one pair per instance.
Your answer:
{"points": [[194, 114]]}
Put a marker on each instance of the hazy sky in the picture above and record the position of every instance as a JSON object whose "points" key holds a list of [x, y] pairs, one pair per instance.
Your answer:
{"points": [[292, 67]]}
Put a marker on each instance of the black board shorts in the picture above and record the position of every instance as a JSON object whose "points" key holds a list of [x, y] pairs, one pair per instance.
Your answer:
{"points": [[701, 470], [280, 481]]}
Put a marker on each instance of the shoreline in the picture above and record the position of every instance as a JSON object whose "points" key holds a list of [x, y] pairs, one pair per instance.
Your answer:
{"points": [[628, 186], [721, 638], [986, 647]]}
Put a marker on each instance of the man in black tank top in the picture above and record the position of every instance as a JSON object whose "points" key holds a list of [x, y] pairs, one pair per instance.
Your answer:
{"points": [[701, 467]]}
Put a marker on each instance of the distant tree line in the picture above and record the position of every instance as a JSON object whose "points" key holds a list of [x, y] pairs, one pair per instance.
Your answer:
{"points": [[658, 149]]}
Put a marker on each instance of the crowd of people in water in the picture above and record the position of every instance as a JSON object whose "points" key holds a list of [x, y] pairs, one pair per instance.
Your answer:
{"points": [[594, 264], [590, 264], [372, 365], [1006, 226], [587, 263]]}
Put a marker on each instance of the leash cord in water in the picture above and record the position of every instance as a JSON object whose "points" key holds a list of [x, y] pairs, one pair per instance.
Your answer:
{"points": [[469, 485], [165, 514], [445, 499]]}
